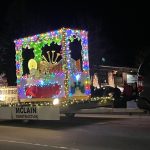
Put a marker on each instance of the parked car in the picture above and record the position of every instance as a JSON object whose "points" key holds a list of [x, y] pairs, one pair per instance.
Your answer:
{"points": [[104, 91], [108, 91]]}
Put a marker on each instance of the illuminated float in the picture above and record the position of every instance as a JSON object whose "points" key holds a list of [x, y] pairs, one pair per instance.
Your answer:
{"points": [[51, 74]]}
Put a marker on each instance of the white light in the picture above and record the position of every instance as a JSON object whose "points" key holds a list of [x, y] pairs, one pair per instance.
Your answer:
{"points": [[2, 97], [78, 77], [42, 82], [56, 101]]}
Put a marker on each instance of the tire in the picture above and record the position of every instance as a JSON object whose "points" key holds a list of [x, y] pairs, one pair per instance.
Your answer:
{"points": [[70, 115], [143, 103]]}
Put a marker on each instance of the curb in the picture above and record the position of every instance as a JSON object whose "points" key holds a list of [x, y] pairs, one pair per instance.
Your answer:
{"points": [[120, 111]]}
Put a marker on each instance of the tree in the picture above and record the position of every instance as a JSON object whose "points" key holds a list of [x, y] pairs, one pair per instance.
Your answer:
{"points": [[141, 55]]}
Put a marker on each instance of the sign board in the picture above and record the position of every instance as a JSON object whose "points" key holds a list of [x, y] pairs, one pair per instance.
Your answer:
{"points": [[25, 112], [30, 113], [132, 78]]}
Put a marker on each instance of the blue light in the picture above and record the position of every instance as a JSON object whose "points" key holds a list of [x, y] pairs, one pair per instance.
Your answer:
{"points": [[85, 41], [17, 66], [88, 92], [69, 32], [41, 82]]}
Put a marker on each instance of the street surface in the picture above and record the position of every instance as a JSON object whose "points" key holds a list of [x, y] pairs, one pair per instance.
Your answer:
{"points": [[85, 132]]}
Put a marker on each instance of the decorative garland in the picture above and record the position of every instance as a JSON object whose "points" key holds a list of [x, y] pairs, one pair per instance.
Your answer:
{"points": [[100, 100]]}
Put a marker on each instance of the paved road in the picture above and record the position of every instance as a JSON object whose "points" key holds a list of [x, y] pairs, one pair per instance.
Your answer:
{"points": [[85, 132]]}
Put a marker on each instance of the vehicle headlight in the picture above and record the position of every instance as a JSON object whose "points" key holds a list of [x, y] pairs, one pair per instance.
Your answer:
{"points": [[56, 101]]}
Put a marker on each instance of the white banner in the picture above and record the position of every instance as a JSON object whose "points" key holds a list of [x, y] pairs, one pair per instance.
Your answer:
{"points": [[30, 113], [5, 113], [25, 112]]}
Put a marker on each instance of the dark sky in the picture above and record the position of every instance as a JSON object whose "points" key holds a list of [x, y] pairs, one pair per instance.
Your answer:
{"points": [[117, 30]]}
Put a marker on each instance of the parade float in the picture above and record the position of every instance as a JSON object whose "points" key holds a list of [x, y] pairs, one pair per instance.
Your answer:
{"points": [[53, 74], [50, 77]]}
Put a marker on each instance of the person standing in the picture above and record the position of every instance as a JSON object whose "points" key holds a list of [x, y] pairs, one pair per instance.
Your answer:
{"points": [[135, 92], [127, 94], [116, 95]]}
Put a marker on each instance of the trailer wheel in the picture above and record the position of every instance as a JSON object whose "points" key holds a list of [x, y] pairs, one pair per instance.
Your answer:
{"points": [[70, 115]]}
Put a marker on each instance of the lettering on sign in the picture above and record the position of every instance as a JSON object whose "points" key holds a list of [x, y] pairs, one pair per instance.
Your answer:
{"points": [[27, 116], [26, 110], [26, 113]]}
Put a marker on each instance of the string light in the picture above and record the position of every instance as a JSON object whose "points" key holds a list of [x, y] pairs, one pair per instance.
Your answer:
{"points": [[102, 101], [61, 37]]}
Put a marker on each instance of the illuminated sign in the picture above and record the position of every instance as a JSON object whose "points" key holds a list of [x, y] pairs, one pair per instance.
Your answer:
{"points": [[132, 78]]}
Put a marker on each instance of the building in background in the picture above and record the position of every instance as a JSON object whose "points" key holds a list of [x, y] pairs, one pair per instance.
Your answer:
{"points": [[111, 75], [8, 94]]}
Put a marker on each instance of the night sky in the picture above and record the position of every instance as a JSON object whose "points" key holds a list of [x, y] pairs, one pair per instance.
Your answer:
{"points": [[117, 31]]}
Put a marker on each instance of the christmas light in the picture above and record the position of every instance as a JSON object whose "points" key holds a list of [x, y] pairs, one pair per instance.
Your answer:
{"points": [[61, 37]]}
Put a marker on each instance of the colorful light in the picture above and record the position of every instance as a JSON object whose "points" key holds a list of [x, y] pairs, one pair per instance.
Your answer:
{"points": [[61, 37]]}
